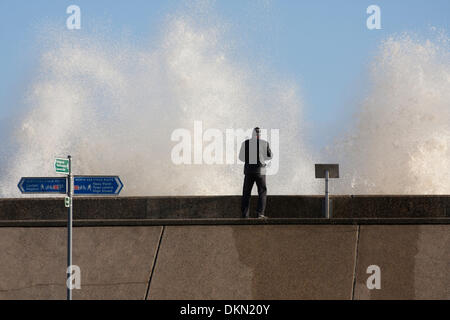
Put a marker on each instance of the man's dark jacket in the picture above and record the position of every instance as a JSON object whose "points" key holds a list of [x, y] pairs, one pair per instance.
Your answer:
{"points": [[254, 152]]}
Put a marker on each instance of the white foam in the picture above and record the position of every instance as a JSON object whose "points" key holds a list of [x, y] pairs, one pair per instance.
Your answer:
{"points": [[401, 143], [113, 107]]}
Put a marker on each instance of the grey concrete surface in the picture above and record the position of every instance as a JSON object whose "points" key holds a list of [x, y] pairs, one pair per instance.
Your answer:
{"points": [[414, 262], [229, 262], [115, 262], [391, 206], [220, 207], [255, 262]]}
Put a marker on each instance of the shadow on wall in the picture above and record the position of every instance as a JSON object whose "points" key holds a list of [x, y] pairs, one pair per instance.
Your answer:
{"points": [[298, 262]]}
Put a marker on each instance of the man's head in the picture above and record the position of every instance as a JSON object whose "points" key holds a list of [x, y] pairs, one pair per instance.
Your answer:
{"points": [[257, 132]]}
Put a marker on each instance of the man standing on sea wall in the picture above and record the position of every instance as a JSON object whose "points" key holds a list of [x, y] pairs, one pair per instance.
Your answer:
{"points": [[254, 152]]}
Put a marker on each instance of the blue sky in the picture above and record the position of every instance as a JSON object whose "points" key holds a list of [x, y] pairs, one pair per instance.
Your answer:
{"points": [[324, 46]]}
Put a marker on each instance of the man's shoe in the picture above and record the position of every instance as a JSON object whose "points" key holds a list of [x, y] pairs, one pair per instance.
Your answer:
{"points": [[261, 216]]}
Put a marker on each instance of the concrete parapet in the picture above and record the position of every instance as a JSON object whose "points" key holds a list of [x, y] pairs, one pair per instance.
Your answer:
{"points": [[220, 207]]}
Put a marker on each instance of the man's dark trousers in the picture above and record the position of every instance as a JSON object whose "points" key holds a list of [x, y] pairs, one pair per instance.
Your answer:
{"points": [[249, 180]]}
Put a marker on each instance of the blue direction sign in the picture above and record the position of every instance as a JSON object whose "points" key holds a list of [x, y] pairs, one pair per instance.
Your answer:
{"points": [[42, 185], [97, 185]]}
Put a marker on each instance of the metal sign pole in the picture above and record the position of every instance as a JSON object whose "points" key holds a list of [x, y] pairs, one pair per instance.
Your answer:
{"points": [[327, 199], [69, 231], [327, 171], [85, 185]]}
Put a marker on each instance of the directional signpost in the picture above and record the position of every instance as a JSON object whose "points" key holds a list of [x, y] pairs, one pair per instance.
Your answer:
{"points": [[97, 185], [42, 185], [83, 185], [70, 186]]}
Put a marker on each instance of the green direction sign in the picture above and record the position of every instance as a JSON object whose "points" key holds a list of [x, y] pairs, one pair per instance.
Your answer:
{"points": [[62, 166]]}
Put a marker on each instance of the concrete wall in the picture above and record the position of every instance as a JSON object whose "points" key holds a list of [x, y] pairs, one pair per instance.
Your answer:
{"points": [[225, 207], [228, 262], [255, 262], [414, 261], [115, 262]]}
